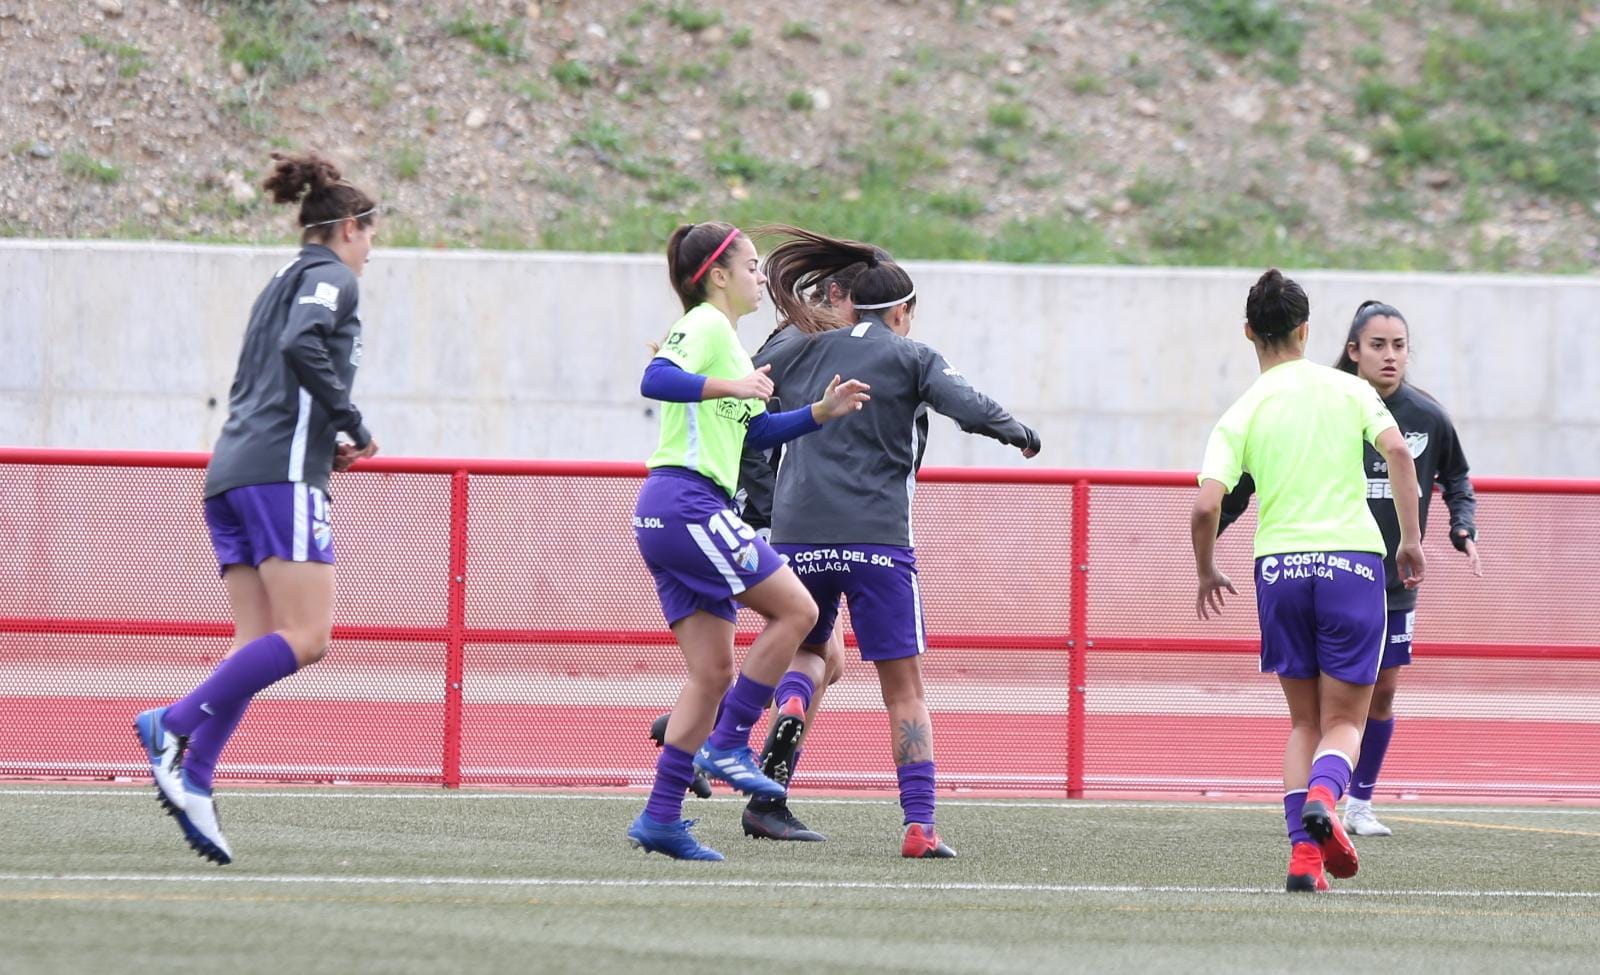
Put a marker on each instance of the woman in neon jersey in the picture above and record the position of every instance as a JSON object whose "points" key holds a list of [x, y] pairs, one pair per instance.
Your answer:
{"points": [[702, 555], [1299, 431], [1378, 349]]}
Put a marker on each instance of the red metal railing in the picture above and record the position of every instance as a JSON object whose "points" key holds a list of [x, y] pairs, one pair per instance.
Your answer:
{"points": [[496, 610]]}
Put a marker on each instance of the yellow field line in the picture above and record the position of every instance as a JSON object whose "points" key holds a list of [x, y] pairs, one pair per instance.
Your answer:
{"points": [[1499, 826]]}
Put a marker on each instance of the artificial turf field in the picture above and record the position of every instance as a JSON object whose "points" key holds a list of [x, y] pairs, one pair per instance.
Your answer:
{"points": [[97, 880]]}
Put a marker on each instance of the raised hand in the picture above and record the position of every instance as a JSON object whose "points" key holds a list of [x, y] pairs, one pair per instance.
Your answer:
{"points": [[841, 399]]}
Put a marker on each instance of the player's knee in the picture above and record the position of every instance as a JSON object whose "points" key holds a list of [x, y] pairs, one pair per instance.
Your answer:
{"points": [[802, 614], [714, 676], [309, 645]]}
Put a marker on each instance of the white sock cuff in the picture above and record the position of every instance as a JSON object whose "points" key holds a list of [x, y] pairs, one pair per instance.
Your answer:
{"points": [[1294, 792], [1333, 751]]}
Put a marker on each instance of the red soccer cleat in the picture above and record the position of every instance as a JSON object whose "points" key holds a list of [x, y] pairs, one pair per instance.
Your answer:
{"points": [[1323, 824], [1305, 870], [922, 843]]}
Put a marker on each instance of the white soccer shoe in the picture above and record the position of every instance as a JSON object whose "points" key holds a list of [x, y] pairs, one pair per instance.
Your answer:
{"points": [[200, 824], [1359, 820]]}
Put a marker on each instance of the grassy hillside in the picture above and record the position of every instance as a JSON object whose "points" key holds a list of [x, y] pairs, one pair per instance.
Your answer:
{"points": [[1431, 134]]}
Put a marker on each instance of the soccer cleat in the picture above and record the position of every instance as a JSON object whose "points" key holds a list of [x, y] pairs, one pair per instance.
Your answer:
{"points": [[922, 843], [1360, 820], [1305, 870], [201, 827], [738, 768], [672, 839], [701, 786], [783, 739], [165, 751], [1320, 820], [771, 820]]}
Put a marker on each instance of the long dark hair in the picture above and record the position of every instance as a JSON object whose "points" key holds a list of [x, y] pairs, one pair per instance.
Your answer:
{"points": [[800, 269], [1369, 309], [688, 250], [325, 197], [1276, 306]]}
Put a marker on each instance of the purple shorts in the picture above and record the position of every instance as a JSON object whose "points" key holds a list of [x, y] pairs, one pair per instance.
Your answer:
{"points": [[703, 556], [1322, 613], [1397, 644], [287, 520], [880, 584]]}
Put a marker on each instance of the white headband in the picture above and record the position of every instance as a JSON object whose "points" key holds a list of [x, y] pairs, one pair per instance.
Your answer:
{"points": [[369, 211], [886, 304]]}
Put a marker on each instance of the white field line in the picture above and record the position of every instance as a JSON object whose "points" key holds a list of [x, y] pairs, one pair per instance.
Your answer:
{"points": [[764, 884], [1066, 805]]}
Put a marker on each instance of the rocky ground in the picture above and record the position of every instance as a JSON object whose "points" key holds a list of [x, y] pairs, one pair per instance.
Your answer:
{"points": [[521, 124]]}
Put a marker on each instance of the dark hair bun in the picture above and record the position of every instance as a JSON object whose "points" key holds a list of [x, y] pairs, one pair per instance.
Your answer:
{"points": [[293, 177], [1276, 305]]}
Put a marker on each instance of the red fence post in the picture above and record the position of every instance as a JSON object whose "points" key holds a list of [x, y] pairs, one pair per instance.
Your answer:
{"points": [[456, 627], [1078, 642]]}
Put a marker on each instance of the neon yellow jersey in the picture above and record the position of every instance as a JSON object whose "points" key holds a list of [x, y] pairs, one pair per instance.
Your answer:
{"points": [[1299, 431], [707, 436]]}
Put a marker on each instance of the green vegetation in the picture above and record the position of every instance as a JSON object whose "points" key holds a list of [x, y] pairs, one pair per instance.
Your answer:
{"points": [[691, 18], [800, 100], [1271, 31], [1513, 96], [801, 30], [1008, 115], [409, 160], [129, 58], [277, 41], [501, 40], [81, 166], [573, 74]]}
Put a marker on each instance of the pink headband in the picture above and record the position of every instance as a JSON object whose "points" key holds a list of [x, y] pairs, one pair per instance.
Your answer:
{"points": [[714, 255]]}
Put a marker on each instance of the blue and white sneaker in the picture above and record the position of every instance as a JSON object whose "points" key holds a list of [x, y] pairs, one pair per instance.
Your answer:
{"points": [[165, 751], [201, 827], [672, 839], [740, 768]]}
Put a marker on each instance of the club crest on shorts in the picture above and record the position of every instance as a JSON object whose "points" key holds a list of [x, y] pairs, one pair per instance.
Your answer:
{"points": [[323, 533], [748, 558]]}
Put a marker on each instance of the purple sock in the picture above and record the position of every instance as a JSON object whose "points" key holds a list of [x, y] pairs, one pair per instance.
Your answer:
{"points": [[674, 772], [741, 706], [916, 791], [1374, 745], [256, 665], [1293, 804], [1331, 770], [208, 740], [795, 684]]}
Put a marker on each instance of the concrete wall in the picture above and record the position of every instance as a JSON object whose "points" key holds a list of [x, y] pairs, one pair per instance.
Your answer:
{"points": [[133, 345]]}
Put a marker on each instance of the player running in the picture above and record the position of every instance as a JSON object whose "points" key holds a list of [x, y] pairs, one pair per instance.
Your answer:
{"points": [[1298, 431], [1378, 350], [266, 489]]}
